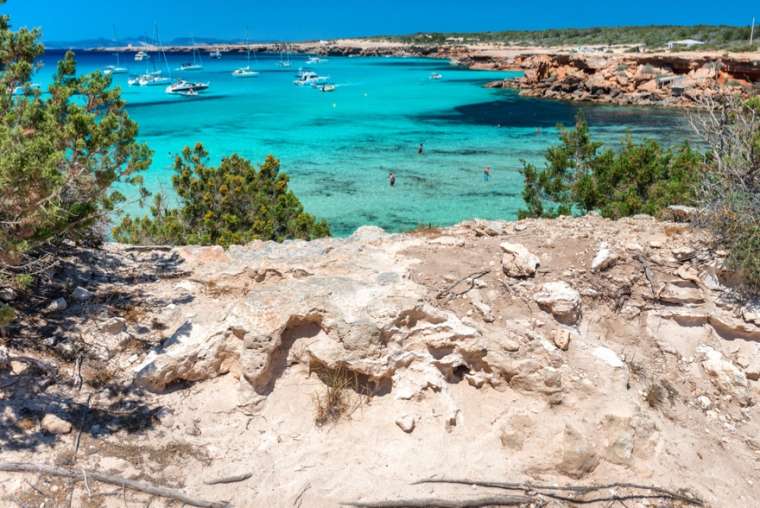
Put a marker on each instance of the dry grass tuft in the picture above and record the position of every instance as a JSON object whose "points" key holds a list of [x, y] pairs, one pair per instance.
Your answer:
{"points": [[655, 395], [344, 393]]}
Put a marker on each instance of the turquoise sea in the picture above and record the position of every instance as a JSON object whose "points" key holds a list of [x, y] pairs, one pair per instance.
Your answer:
{"points": [[339, 147]]}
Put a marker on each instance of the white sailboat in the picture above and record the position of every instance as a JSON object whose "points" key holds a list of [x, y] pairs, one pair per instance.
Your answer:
{"points": [[155, 76], [141, 55], [195, 65], [215, 54], [285, 57], [246, 72], [115, 69]]}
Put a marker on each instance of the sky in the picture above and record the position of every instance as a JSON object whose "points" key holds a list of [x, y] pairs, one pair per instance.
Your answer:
{"points": [[73, 20]]}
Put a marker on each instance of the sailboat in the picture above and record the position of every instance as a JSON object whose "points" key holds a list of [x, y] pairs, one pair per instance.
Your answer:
{"points": [[215, 54], [115, 69], [196, 63], [141, 55], [246, 72], [285, 57], [152, 77]]}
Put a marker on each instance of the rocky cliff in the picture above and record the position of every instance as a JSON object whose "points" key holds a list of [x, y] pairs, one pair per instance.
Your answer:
{"points": [[575, 351]]}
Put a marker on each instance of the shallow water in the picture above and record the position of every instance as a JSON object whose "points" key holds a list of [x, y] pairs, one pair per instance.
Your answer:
{"points": [[339, 147]]}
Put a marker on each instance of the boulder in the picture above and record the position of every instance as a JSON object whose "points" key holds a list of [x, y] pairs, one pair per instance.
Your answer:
{"points": [[518, 261], [604, 258], [52, 424], [561, 339], [680, 294], [82, 295], [723, 374], [114, 326], [58, 305], [561, 300], [579, 457]]}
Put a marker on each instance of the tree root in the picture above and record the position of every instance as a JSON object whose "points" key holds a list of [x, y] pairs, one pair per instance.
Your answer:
{"points": [[575, 493], [148, 488]]}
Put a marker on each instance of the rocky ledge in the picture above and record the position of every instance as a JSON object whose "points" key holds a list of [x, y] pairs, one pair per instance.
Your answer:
{"points": [[574, 350], [676, 81]]}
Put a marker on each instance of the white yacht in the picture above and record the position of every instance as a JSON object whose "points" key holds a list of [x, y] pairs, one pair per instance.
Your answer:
{"points": [[436, 75], [315, 60], [308, 78], [115, 69], [183, 87], [149, 79], [141, 55], [246, 72], [215, 55]]}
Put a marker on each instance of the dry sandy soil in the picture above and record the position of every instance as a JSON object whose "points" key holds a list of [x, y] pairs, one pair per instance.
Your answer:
{"points": [[487, 351]]}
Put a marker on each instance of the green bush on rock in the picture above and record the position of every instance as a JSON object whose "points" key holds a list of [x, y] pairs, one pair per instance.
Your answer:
{"points": [[580, 177], [233, 203]]}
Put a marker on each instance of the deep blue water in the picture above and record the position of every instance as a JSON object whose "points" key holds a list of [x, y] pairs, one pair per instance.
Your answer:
{"points": [[339, 147]]}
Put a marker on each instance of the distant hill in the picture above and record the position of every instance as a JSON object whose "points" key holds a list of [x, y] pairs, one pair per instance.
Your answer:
{"points": [[135, 41]]}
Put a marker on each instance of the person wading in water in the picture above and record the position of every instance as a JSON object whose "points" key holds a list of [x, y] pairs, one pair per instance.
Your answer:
{"points": [[392, 179], [487, 173], [421, 149]]}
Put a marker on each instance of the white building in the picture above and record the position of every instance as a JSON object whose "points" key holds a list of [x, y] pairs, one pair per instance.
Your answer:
{"points": [[687, 43]]}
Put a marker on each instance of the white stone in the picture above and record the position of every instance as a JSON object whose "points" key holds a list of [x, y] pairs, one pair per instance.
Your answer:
{"points": [[608, 356], [604, 259], [561, 300], [724, 375], [518, 261], [58, 305], [448, 241], [406, 423], [55, 425], [704, 402]]}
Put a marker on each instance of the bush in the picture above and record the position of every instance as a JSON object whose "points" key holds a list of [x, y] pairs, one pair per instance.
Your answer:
{"points": [[60, 154], [579, 177], [231, 204], [730, 194]]}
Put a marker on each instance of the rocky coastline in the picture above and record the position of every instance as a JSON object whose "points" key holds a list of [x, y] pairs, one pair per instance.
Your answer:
{"points": [[614, 76]]}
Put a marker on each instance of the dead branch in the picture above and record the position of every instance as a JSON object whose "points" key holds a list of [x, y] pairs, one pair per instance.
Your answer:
{"points": [[471, 278], [479, 502], [82, 421], [229, 479], [50, 370], [648, 274], [148, 488], [650, 492]]}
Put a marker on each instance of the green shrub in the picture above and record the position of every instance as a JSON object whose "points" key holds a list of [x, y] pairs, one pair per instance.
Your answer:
{"points": [[230, 204], [579, 177], [60, 154]]}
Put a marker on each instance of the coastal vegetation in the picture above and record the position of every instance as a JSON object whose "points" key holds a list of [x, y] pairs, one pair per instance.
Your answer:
{"points": [[580, 177], [59, 158], [233, 203], [735, 38]]}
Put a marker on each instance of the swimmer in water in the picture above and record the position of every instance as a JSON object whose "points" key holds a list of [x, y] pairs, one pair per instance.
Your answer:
{"points": [[392, 179]]}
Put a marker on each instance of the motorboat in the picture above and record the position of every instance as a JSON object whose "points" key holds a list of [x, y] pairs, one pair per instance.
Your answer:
{"points": [[308, 78], [315, 60], [149, 79], [183, 87], [436, 75], [115, 69], [216, 54], [141, 55], [328, 87], [245, 72]]}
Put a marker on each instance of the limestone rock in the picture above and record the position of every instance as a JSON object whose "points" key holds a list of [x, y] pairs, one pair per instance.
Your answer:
{"points": [[561, 300], [82, 295], [683, 252], [561, 339], [604, 259], [680, 295], [58, 305], [52, 424], [515, 431], [579, 456], [406, 423], [682, 213], [114, 326], [448, 241], [724, 374], [518, 261]]}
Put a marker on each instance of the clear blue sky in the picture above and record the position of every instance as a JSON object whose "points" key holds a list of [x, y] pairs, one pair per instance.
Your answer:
{"points": [[287, 19]]}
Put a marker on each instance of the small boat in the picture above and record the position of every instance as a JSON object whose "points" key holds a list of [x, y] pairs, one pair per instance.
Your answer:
{"points": [[216, 54], [285, 57], [141, 55], [436, 75], [115, 69], [315, 60], [149, 79], [183, 87], [309, 78], [195, 65], [328, 87], [245, 72]]}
